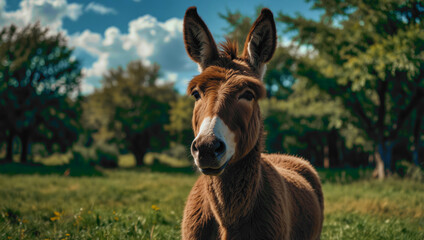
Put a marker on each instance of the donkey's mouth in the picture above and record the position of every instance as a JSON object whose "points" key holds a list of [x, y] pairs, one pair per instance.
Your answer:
{"points": [[214, 171]]}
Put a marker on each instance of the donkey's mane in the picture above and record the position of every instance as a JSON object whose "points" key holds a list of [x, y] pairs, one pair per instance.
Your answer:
{"points": [[228, 49]]}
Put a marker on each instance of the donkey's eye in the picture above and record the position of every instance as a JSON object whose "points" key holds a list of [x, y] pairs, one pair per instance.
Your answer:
{"points": [[248, 95], [196, 95]]}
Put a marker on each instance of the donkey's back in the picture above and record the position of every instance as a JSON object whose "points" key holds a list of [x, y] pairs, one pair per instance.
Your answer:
{"points": [[306, 196]]}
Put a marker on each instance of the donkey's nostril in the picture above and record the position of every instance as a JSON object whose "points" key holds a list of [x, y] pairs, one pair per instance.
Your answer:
{"points": [[219, 147], [194, 147]]}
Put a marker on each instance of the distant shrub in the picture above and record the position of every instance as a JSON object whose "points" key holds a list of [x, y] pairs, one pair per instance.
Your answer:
{"points": [[82, 156], [39, 149], [102, 154], [107, 155], [177, 151], [409, 170], [343, 175]]}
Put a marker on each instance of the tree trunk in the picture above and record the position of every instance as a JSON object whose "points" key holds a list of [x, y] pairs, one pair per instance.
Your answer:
{"points": [[326, 157], [417, 130], [386, 154], [139, 146], [25, 147], [333, 149], [139, 156], [383, 159], [9, 147], [415, 157], [379, 166]]}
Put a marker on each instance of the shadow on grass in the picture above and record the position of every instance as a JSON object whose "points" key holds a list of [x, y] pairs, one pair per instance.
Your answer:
{"points": [[37, 168], [165, 168], [344, 175], [160, 167]]}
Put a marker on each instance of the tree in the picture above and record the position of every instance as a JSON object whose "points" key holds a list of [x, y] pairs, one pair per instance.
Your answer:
{"points": [[131, 109], [370, 54], [38, 77], [180, 116]]}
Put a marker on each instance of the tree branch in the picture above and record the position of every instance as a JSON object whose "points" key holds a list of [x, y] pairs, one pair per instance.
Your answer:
{"points": [[416, 99], [361, 113], [381, 108]]}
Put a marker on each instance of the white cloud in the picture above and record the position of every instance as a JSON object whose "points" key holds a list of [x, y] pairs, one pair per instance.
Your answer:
{"points": [[48, 12], [2, 4], [99, 8], [86, 88], [87, 40], [147, 39]]}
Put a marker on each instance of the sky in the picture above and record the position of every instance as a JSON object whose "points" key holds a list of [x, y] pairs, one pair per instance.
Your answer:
{"points": [[110, 33]]}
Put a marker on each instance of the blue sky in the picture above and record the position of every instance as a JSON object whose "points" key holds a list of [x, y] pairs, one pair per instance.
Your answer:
{"points": [[110, 33]]}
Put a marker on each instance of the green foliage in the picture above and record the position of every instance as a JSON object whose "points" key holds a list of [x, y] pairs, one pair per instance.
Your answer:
{"points": [[102, 154], [406, 169], [82, 156], [239, 26], [131, 109], [370, 55], [38, 77], [107, 155], [180, 116]]}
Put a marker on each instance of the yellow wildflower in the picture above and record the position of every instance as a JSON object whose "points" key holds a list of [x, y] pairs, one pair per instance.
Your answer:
{"points": [[116, 218], [154, 207], [67, 234], [56, 216]]}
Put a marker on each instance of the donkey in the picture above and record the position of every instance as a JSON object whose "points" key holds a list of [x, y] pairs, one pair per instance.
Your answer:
{"points": [[242, 194]]}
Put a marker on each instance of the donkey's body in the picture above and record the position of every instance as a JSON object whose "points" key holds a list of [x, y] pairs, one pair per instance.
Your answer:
{"points": [[266, 198], [244, 194]]}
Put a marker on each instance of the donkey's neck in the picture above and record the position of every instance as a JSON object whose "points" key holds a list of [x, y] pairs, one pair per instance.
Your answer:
{"points": [[232, 195]]}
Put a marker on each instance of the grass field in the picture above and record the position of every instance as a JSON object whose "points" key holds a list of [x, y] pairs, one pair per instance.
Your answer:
{"points": [[148, 204]]}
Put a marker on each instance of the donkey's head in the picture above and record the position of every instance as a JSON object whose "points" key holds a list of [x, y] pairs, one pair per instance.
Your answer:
{"points": [[226, 117]]}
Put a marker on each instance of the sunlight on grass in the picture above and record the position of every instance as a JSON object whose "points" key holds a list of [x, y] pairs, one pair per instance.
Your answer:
{"points": [[126, 161], [136, 203]]}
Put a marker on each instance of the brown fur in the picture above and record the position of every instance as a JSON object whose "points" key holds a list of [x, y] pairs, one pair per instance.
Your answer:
{"points": [[257, 196]]}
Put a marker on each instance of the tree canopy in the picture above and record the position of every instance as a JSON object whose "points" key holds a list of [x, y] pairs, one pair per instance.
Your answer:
{"points": [[39, 88], [370, 54]]}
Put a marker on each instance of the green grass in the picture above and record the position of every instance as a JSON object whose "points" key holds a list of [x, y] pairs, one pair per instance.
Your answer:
{"points": [[118, 205]]}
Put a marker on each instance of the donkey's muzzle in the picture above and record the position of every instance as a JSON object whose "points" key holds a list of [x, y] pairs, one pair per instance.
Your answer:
{"points": [[208, 152]]}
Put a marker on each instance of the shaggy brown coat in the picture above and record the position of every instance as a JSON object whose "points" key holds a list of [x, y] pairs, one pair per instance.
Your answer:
{"points": [[257, 196]]}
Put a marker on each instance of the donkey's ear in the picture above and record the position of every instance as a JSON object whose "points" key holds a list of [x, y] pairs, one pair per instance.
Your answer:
{"points": [[261, 42], [198, 40]]}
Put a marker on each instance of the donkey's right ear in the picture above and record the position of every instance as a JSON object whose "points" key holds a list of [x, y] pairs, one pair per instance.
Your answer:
{"points": [[198, 40]]}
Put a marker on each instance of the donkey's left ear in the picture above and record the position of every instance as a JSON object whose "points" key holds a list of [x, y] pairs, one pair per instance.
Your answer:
{"points": [[261, 42]]}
